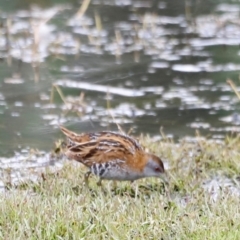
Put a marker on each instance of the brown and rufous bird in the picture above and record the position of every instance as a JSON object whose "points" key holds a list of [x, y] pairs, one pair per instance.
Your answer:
{"points": [[112, 156]]}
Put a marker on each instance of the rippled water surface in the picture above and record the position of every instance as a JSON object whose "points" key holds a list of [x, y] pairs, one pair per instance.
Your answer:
{"points": [[141, 64]]}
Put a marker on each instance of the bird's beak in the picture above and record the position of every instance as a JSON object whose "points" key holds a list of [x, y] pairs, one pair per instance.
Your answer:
{"points": [[164, 176]]}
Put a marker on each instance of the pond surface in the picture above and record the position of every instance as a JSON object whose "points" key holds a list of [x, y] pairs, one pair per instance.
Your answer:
{"points": [[140, 64]]}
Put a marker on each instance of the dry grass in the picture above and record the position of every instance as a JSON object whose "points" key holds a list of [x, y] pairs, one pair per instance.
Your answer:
{"points": [[60, 207]]}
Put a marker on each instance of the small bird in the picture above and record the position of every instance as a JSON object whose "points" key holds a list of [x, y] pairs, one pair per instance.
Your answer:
{"points": [[112, 156]]}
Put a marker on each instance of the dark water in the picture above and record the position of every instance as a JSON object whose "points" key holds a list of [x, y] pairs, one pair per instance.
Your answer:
{"points": [[143, 65]]}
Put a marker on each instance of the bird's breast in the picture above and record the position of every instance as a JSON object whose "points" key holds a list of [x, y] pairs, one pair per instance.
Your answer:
{"points": [[115, 170]]}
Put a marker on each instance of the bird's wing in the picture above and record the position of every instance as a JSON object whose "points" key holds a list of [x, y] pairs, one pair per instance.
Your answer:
{"points": [[74, 138], [101, 147], [109, 138], [99, 151]]}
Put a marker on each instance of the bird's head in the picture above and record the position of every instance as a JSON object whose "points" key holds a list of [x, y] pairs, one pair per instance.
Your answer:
{"points": [[155, 168]]}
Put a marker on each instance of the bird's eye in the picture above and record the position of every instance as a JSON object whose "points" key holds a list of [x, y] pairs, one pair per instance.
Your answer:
{"points": [[157, 169]]}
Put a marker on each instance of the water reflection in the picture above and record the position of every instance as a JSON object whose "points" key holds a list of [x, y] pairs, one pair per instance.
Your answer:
{"points": [[140, 64]]}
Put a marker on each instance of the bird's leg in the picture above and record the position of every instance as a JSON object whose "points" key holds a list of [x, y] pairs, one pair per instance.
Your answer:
{"points": [[132, 183], [99, 183], [134, 188], [86, 176], [115, 184]]}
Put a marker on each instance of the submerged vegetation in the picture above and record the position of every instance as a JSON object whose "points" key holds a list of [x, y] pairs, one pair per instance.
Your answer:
{"points": [[200, 202]]}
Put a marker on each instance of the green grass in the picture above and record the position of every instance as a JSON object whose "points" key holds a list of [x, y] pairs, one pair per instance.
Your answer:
{"points": [[59, 206]]}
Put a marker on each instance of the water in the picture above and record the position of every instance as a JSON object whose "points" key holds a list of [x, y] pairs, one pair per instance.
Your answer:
{"points": [[144, 65]]}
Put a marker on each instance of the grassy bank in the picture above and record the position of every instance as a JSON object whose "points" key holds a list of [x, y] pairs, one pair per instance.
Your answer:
{"points": [[201, 201]]}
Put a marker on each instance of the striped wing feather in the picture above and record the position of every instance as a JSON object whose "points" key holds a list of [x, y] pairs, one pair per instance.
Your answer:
{"points": [[101, 147]]}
